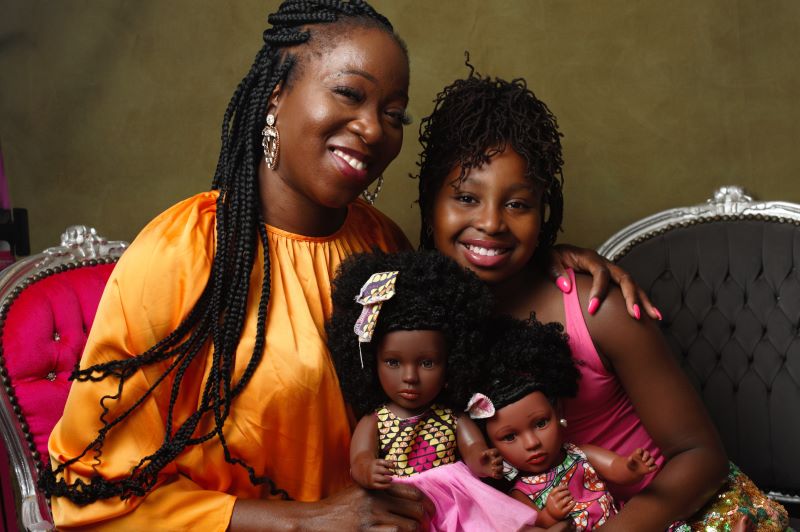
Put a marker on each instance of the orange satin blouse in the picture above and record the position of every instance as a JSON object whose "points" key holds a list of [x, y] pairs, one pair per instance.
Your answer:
{"points": [[289, 423]]}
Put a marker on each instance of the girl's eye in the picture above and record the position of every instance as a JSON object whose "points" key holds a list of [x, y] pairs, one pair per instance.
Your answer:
{"points": [[517, 205], [464, 198], [427, 364], [392, 363], [350, 93]]}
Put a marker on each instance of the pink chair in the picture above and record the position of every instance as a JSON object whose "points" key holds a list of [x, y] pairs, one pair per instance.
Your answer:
{"points": [[47, 306]]}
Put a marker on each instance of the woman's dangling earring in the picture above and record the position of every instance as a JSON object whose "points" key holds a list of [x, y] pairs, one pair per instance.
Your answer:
{"points": [[271, 142], [370, 197]]}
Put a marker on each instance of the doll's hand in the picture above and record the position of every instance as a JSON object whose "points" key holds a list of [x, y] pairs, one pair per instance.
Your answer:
{"points": [[375, 474], [559, 502], [491, 464], [640, 463]]}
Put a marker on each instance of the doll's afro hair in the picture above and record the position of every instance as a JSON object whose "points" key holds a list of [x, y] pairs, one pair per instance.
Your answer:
{"points": [[431, 293], [527, 356]]}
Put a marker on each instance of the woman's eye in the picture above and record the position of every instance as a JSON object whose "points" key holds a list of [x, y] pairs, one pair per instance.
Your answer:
{"points": [[517, 205], [399, 116], [349, 93]]}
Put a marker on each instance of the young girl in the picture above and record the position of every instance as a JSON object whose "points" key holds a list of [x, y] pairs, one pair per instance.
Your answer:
{"points": [[405, 335], [491, 199], [529, 372]]}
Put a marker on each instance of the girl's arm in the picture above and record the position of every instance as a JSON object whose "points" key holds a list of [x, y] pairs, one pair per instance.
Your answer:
{"points": [[482, 460], [695, 462], [617, 468], [365, 468]]}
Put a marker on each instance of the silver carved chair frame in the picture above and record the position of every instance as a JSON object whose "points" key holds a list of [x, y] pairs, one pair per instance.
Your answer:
{"points": [[726, 276], [80, 246]]}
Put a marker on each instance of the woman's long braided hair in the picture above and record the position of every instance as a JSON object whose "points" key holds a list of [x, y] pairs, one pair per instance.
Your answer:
{"points": [[219, 314], [476, 118]]}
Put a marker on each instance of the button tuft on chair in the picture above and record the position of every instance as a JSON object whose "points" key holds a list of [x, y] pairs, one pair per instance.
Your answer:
{"points": [[56, 337], [51, 376]]}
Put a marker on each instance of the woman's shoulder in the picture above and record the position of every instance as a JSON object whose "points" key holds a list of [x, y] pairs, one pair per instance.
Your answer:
{"points": [[377, 227], [182, 234]]}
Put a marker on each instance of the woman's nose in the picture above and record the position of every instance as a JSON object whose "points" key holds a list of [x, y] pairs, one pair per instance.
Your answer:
{"points": [[367, 126]]}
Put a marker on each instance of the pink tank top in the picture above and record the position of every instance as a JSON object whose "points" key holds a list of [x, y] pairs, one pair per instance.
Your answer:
{"points": [[601, 413]]}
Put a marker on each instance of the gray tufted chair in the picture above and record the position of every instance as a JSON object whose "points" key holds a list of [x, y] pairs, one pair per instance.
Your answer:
{"points": [[726, 276]]}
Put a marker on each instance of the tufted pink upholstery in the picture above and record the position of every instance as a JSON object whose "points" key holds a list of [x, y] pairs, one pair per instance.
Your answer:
{"points": [[42, 339]]}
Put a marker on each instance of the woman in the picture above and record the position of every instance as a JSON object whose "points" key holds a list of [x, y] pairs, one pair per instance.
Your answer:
{"points": [[206, 398]]}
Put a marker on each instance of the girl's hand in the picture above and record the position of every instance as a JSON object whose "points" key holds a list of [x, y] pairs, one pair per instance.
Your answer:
{"points": [[640, 463], [491, 463], [559, 502], [563, 256]]}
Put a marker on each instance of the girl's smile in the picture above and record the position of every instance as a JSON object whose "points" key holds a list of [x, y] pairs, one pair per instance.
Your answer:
{"points": [[490, 221]]}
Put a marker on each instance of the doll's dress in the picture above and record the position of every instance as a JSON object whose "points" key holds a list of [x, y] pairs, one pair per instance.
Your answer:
{"points": [[423, 449], [594, 504]]}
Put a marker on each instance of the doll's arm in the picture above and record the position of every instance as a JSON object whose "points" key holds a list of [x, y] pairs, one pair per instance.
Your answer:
{"points": [[617, 468], [482, 460], [559, 504], [367, 470]]}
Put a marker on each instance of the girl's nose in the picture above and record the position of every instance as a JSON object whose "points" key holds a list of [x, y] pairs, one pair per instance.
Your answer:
{"points": [[490, 219]]}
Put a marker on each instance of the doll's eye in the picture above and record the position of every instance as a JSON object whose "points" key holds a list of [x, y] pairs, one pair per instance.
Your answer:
{"points": [[392, 363], [427, 364], [542, 423], [509, 437]]}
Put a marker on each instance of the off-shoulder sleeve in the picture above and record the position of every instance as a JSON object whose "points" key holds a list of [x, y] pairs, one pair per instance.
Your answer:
{"points": [[154, 285]]}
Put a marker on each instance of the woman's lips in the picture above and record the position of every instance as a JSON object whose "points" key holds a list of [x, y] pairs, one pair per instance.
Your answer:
{"points": [[485, 255], [349, 164]]}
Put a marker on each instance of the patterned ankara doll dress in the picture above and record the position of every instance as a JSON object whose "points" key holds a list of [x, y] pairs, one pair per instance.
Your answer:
{"points": [[594, 504], [424, 452]]}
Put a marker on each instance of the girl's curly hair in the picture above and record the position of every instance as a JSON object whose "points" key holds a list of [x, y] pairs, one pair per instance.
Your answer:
{"points": [[431, 293], [525, 357], [478, 117]]}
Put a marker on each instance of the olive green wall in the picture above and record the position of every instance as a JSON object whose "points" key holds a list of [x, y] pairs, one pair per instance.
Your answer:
{"points": [[110, 110]]}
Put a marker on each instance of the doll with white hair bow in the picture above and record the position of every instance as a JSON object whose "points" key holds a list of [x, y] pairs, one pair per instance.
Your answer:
{"points": [[406, 336]]}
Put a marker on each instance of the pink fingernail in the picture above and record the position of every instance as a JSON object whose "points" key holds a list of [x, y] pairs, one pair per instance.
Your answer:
{"points": [[658, 314], [564, 285], [636, 311], [594, 304]]}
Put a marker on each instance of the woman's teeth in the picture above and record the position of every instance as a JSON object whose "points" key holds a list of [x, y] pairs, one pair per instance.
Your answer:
{"points": [[352, 161], [490, 252]]}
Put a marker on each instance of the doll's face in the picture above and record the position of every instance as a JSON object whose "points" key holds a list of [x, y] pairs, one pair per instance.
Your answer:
{"points": [[411, 369], [489, 222], [527, 433]]}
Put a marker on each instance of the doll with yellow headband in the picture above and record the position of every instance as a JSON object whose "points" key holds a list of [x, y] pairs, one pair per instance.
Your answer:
{"points": [[405, 335]]}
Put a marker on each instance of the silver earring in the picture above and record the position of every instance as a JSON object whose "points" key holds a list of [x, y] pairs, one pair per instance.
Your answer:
{"points": [[563, 422], [271, 141], [370, 197]]}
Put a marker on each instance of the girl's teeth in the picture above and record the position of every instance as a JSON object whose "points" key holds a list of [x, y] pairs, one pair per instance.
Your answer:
{"points": [[485, 251], [352, 161]]}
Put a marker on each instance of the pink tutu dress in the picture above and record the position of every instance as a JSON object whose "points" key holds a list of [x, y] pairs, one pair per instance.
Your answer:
{"points": [[424, 452], [594, 504]]}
